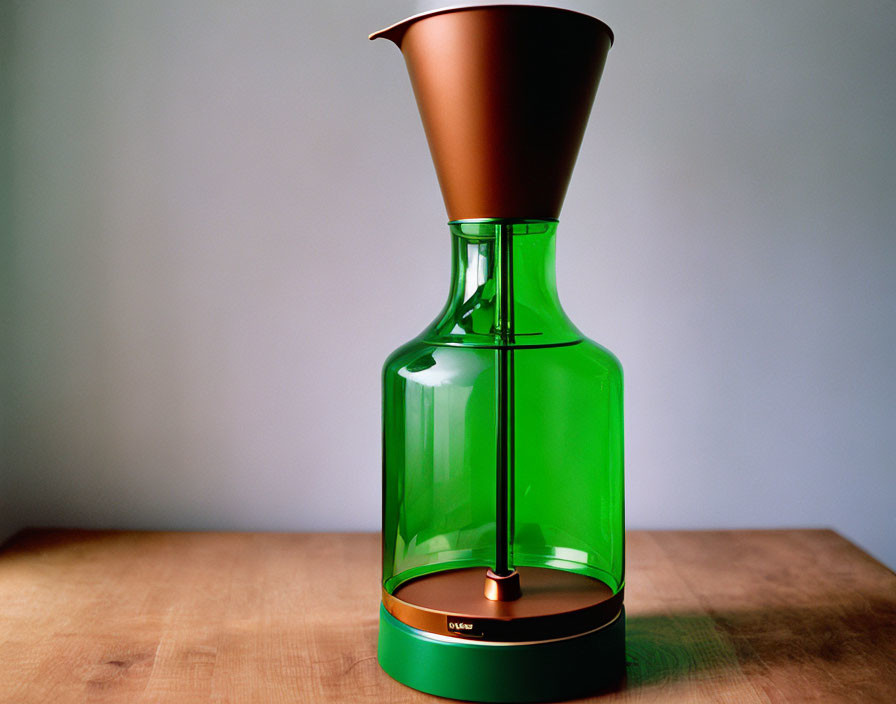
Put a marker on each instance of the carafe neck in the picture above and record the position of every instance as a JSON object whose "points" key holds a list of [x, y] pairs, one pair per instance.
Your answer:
{"points": [[503, 287]]}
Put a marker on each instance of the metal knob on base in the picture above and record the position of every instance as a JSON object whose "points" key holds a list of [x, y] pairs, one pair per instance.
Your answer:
{"points": [[502, 588]]}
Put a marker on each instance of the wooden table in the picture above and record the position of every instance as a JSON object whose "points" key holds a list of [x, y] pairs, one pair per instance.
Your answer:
{"points": [[722, 616]]}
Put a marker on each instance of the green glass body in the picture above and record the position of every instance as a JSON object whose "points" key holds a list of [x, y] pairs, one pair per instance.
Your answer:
{"points": [[502, 423]]}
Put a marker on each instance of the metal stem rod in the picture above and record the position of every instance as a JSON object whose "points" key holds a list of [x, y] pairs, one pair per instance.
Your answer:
{"points": [[505, 409]]}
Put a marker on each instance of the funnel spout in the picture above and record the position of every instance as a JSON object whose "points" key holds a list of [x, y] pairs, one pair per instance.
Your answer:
{"points": [[504, 92], [393, 32]]}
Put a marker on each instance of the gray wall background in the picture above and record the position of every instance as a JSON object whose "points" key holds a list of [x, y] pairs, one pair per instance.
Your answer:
{"points": [[220, 217]]}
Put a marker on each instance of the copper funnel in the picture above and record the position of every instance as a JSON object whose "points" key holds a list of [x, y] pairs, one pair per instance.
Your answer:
{"points": [[504, 92]]}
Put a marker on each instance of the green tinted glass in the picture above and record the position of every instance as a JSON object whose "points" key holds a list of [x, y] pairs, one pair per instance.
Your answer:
{"points": [[502, 424]]}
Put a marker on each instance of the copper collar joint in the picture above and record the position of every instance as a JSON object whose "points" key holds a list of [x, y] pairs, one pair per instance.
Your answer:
{"points": [[506, 588]]}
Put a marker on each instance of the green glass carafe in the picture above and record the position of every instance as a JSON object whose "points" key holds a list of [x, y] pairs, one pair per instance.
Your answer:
{"points": [[503, 523]]}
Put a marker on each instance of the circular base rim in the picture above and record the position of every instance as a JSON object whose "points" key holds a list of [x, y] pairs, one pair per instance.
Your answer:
{"points": [[503, 672], [553, 619]]}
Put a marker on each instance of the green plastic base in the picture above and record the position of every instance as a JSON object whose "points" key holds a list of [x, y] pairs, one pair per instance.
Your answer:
{"points": [[489, 672]]}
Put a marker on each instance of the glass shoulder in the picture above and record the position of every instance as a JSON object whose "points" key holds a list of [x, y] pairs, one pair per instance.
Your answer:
{"points": [[413, 354], [420, 364], [585, 367], [603, 358], [422, 361]]}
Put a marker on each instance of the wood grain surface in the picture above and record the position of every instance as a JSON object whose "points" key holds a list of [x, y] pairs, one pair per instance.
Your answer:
{"points": [[728, 616]]}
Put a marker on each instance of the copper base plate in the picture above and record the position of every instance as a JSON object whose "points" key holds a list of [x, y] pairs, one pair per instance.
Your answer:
{"points": [[555, 604]]}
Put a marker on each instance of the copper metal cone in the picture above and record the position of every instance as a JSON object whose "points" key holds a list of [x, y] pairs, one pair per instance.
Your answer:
{"points": [[504, 92]]}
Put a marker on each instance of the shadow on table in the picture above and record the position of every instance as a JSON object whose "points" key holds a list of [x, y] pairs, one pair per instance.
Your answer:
{"points": [[669, 647]]}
